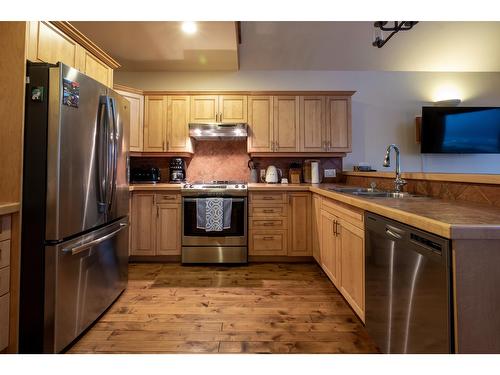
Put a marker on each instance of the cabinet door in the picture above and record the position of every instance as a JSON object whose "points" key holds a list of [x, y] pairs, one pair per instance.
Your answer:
{"points": [[316, 227], [338, 124], [168, 229], [204, 108], [299, 219], [267, 242], [93, 67], [329, 252], [286, 123], [136, 103], [260, 123], [53, 46], [178, 124], [143, 224], [312, 124], [154, 123], [233, 108], [353, 266]]}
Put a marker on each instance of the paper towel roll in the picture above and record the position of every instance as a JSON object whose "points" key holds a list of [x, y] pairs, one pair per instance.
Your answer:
{"points": [[314, 172]]}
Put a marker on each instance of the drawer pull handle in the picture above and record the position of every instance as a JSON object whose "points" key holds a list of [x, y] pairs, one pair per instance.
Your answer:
{"points": [[268, 224], [267, 198], [168, 197], [268, 211], [269, 238]]}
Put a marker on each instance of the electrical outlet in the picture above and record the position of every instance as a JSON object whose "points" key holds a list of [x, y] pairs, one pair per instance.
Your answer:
{"points": [[330, 173]]}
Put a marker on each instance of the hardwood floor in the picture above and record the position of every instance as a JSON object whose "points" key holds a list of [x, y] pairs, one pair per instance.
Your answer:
{"points": [[260, 308]]}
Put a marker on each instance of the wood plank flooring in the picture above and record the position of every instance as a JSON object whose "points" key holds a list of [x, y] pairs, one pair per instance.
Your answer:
{"points": [[259, 308]]}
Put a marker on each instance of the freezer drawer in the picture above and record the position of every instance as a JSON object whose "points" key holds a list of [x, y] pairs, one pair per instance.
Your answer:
{"points": [[87, 274]]}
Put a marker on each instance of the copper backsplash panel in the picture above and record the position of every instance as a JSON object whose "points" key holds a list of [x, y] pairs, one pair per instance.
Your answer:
{"points": [[225, 160], [479, 193]]}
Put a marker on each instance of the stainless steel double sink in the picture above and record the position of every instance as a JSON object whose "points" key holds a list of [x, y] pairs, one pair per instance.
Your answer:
{"points": [[373, 193]]}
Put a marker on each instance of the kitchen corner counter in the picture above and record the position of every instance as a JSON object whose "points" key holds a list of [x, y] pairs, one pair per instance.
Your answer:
{"points": [[155, 187], [446, 218], [9, 208]]}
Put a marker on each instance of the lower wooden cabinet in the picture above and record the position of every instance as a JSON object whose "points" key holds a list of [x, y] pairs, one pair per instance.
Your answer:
{"points": [[155, 225], [280, 224], [352, 263], [299, 230], [342, 251], [5, 241], [316, 227]]}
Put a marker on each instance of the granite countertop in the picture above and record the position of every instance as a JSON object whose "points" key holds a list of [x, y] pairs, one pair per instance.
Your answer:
{"points": [[449, 219], [9, 207], [446, 218]]}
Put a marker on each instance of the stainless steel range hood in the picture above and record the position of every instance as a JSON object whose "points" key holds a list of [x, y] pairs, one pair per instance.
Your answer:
{"points": [[218, 131]]}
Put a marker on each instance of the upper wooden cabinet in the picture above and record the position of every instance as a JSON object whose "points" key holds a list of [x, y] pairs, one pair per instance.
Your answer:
{"points": [[312, 124], [166, 120], [260, 123], [338, 123], [155, 123], [136, 102], [218, 108], [306, 124], [204, 108], [286, 124], [233, 108], [52, 42], [177, 124]]}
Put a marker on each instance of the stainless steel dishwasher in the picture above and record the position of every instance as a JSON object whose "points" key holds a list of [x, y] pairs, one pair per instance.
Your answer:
{"points": [[408, 288]]}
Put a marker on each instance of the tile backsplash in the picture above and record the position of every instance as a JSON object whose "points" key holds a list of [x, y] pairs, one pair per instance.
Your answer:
{"points": [[226, 160]]}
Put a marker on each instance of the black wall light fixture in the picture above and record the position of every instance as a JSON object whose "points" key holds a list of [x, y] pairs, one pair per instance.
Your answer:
{"points": [[392, 26]]}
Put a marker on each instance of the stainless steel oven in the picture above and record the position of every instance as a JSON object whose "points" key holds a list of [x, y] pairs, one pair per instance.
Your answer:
{"points": [[226, 246]]}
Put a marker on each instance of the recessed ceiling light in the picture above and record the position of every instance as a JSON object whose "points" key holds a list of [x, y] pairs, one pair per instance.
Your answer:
{"points": [[189, 27]]}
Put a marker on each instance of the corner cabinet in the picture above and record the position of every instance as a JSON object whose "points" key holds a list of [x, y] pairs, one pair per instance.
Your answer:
{"points": [[155, 221], [166, 124], [52, 42]]}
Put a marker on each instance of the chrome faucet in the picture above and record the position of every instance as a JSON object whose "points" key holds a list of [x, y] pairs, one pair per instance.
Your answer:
{"points": [[398, 182]]}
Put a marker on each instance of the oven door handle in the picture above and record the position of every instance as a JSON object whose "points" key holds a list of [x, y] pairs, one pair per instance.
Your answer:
{"points": [[235, 200]]}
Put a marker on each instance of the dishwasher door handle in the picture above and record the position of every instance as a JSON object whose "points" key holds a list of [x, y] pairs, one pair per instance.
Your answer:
{"points": [[393, 232]]}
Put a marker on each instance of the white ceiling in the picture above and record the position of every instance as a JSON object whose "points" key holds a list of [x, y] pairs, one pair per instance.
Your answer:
{"points": [[429, 46], [162, 46]]}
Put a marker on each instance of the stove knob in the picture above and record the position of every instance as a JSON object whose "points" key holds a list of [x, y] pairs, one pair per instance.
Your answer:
{"points": [[236, 186]]}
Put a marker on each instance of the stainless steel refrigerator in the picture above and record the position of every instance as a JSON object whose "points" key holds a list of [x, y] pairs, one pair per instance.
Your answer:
{"points": [[74, 246]]}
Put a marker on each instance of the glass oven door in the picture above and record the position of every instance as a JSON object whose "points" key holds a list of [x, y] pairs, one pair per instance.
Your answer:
{"points": [[235, 235]]}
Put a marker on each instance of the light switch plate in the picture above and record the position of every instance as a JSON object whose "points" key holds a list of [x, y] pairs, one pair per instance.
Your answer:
{"points": [[330, 173]]}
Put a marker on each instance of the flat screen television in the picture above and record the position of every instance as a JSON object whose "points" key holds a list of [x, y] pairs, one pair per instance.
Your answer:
{"points": [[460, 130]]}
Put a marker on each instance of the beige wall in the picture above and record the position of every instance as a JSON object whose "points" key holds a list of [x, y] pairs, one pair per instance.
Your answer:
{"points": [[384, 107]]}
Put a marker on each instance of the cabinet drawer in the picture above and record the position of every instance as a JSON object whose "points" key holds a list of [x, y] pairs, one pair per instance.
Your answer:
{"points": [[4, 321], [268, 243], [268, 211], [263, 223], [168, 198], [4, 253], [267, 197], [4, 227], [4, 280], [351, 214]]}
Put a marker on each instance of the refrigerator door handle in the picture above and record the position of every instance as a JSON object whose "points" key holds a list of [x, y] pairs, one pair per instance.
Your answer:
{"points": [[114, 148], [102, 163], [78, 249]]}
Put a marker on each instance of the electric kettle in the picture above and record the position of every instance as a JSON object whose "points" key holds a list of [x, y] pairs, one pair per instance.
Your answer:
{"points": [[273, 175]]}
